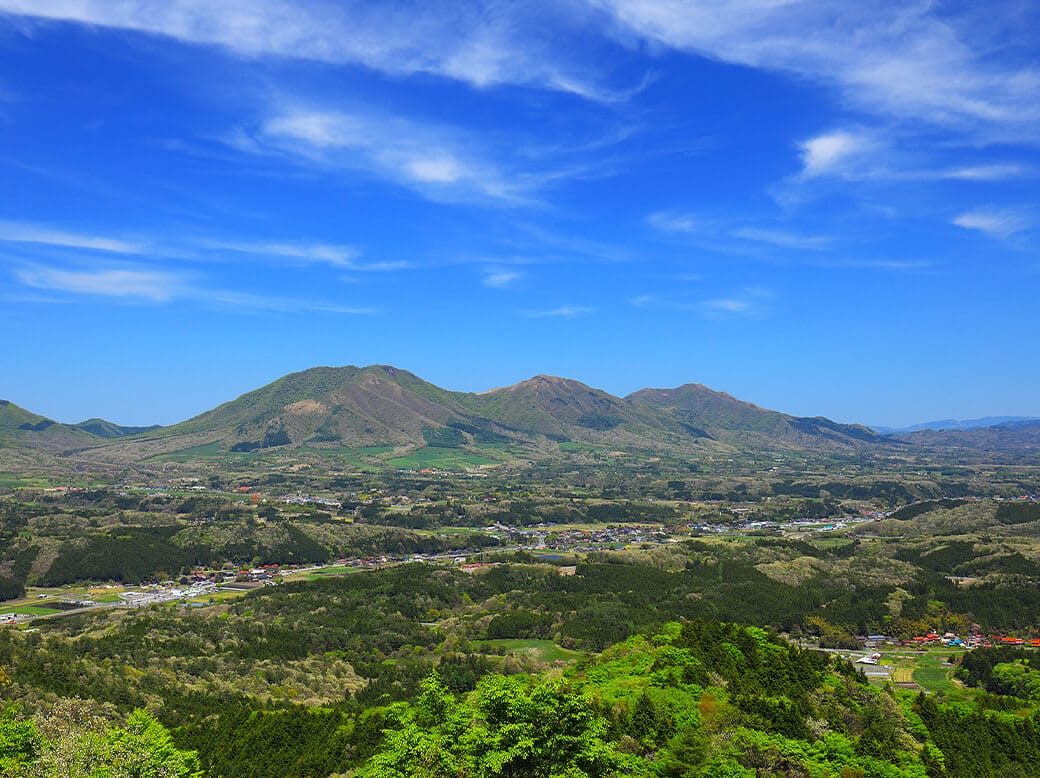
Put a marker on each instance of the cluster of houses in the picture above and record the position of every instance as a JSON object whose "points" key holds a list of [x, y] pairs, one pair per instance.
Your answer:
{"points": [[950, 640], [228, 578], [310, 500], [798, 525], [141, 599], [545, 536]]}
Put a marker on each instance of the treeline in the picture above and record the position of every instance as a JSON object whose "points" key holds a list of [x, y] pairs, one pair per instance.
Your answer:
{"points": [[1003, 670], [134, 554], [520, 513], [609, 598], [702, 698], [978, 740], [305, 678]]}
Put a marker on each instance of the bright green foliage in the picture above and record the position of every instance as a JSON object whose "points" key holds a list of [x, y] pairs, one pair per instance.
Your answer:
{"points": [[19, 741], [1021, 680], [71, 742], [509, 726], [701, 699]]}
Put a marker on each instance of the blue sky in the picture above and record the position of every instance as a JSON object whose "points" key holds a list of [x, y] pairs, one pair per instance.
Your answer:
{"points": [[823, 210]]}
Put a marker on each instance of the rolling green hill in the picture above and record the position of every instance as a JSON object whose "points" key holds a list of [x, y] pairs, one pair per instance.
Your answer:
{"points": [[20, 428], [107, 429], [703, 411]]}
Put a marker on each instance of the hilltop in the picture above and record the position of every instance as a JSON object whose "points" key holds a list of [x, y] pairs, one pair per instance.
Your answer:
{"points": [[703, 411], [380, 406], [387, 413], [22, 428]]}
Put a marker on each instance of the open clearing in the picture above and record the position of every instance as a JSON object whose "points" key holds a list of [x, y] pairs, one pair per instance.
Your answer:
{"points": [[542, 650]]}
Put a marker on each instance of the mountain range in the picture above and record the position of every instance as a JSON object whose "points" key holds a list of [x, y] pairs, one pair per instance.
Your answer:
{"points": [[382, 406], [959, 424]]}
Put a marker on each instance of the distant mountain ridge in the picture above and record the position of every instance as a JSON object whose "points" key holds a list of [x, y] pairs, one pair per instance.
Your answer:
{"points": [[19, 427], [958, 424], [701, 409], [384, 407], [1021, 436], [22, 428], [108, 429]]}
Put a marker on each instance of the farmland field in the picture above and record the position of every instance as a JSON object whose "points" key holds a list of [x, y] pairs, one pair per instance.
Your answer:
{"points": [[208, 450], [440, 458], [29, 610]]}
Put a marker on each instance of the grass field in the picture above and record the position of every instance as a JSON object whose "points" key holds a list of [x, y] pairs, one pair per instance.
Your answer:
{"points": [[347, 457], [541, 650], [925, 669], [439, 458], [195, 452], [374, 451], [219, 596], [830, 543], [931, 675], [316, 575], [28, 610]]}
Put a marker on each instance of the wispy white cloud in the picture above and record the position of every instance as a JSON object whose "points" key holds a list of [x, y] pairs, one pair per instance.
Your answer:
{"points": [[785, 240], [153, 285], [895, 265], [665, 302], [252, 302], [20, 232], [1000, 224], [389, 266], [751, 302], [501, 278], [911, 61], [733, 305], [482, 43], [842, 153], [162, 287], [869, 155], [567, 245], [439, 162], [337, 256], [813, 250], [985, 172], [720, 233], [564, 311], [675, 221], [182, 245]]}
